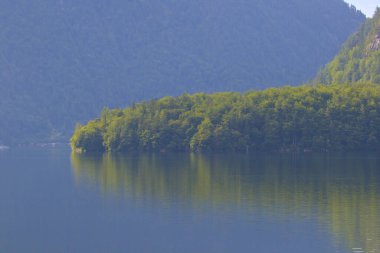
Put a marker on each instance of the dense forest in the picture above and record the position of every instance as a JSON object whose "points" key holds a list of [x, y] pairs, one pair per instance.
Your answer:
{"points": [[307, 118], [63, 61], [359, 59]]}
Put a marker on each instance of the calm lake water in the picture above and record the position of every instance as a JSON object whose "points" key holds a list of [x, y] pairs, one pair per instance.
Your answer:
{"points": [[55, 201]]}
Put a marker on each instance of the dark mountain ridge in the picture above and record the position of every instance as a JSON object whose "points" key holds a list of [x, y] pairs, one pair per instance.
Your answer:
{"points": [[62, 61]]}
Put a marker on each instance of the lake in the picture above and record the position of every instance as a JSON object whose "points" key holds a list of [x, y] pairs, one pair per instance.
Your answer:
{"points": [[56, 201]]}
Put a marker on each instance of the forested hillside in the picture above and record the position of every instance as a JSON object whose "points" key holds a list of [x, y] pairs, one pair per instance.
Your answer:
{"points": [[62, 61], [307, 118], [359, 59]]}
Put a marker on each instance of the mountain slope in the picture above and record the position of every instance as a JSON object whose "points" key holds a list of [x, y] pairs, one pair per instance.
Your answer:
{"points": [[359, 60], [62, 61]]}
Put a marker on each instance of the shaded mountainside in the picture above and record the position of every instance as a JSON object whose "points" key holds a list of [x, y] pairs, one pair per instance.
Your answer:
{"points": [[62, 61], [321, 118], [359, 59]]}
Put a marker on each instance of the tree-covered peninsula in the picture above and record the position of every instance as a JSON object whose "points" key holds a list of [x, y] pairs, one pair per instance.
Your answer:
{"points": [[307, 118]]}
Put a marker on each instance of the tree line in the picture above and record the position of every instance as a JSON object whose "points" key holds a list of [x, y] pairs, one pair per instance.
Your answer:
{"points": [[306, 118]]}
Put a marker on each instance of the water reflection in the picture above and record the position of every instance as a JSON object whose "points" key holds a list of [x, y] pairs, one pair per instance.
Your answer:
{"points": [[341, 191]]}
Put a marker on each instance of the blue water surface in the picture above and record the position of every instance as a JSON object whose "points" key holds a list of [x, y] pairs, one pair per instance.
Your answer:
{"points": [[56, 201]]}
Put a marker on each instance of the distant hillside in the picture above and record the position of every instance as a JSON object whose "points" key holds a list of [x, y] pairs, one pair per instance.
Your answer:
{"points": [[359, 59], [62, 61]]}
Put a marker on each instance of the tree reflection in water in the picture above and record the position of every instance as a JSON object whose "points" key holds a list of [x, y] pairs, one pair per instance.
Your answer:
{"points": [[342, 191]]}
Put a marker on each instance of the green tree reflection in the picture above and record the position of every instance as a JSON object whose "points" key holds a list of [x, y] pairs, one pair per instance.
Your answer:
{"points": [[342, 191]]}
